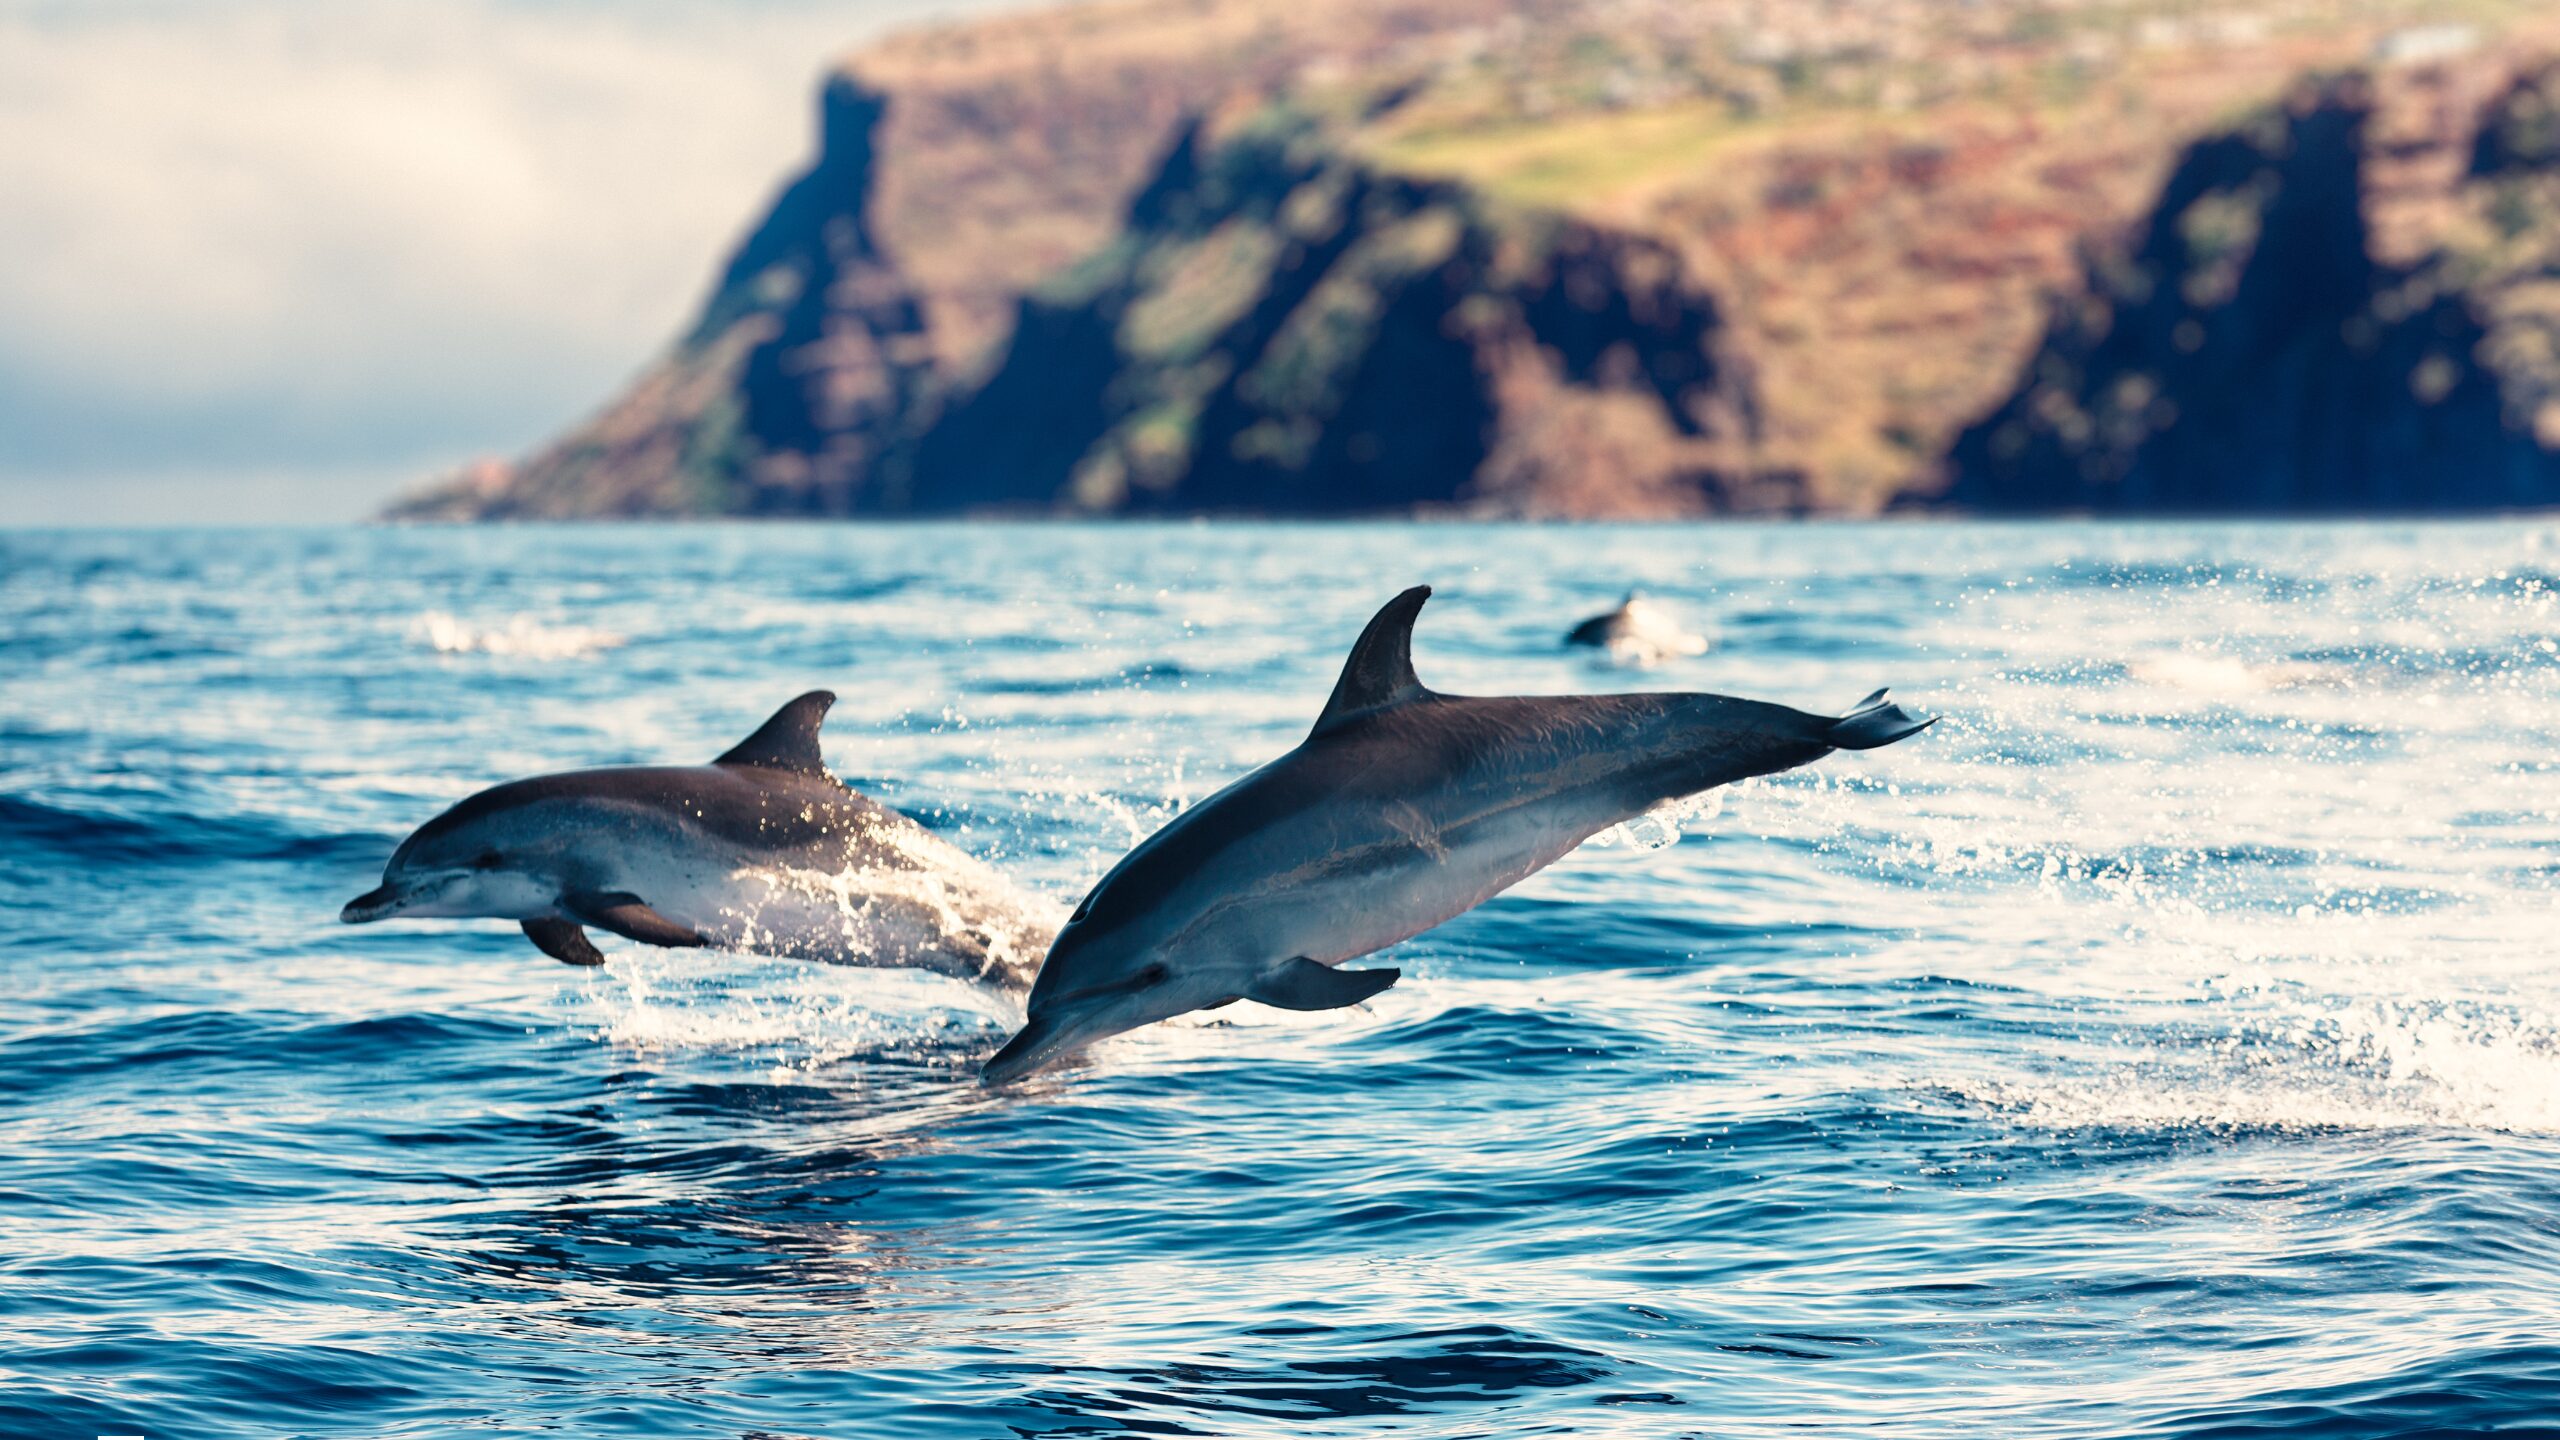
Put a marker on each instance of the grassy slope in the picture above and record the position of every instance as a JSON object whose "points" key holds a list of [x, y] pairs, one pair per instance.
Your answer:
{"points": [[1884, 214]]}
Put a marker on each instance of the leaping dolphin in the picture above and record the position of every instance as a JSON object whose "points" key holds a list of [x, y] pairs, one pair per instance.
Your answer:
{"points": [[1401, 809], [759, 850]]}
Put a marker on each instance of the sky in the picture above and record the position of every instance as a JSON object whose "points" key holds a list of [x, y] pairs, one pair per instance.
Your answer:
{"points": [[267, 260]]}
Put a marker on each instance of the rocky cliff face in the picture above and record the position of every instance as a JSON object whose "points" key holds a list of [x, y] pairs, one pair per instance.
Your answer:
{"points": [[1278, 329], [1607, 259], [2253, 351], [804, 369], [957, 169]]}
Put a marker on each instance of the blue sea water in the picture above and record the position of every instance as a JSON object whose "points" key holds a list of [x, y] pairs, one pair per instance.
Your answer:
{"points": [[2168, 1044]]}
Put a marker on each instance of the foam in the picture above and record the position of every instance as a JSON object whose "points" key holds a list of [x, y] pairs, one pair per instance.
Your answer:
{"points": [[2312, 1064], [520, 637], [790, 1016]]}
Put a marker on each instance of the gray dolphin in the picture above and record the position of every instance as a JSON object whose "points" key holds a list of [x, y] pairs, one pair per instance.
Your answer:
{"points": [[759, 850], [1638, 632], [1402, 808]]}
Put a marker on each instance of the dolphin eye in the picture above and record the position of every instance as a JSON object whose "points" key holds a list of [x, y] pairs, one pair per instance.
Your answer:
{"points": [[488, 860], [1154, 975]]}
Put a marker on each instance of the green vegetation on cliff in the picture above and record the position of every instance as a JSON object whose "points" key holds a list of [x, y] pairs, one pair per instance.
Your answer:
{"points": [[1606, 258]]}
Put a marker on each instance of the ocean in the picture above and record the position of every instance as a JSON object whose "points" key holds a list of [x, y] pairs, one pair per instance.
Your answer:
{"points": [[2166, 1044]]}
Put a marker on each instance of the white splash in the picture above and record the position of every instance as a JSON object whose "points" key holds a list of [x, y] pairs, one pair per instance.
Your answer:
{"points": [[1661, 827], [2361, 1065], [792, 1016], [521, 636], [2215, 676], [1640, 634], [930, 906]]}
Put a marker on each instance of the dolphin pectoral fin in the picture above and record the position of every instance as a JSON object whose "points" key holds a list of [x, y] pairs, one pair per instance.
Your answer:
{"points": [[563, 941], [630, 917], [1302, 984]]}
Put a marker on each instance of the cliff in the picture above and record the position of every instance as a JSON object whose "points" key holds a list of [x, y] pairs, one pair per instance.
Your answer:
{"points": [[2260, 347], [1279, 329], [1623, 259]]}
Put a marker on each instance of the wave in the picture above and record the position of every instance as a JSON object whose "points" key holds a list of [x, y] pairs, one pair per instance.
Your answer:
{"points": [[1346, 1375], [199, 1043], [2473, 1390], [2360, 1064], [107, 838]]}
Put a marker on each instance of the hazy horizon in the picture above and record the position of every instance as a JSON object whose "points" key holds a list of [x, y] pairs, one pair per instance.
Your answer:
{"points": [[276, 260]]}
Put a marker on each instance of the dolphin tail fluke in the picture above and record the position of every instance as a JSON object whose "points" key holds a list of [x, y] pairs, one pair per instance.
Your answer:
{"points": [[1875, 722]]}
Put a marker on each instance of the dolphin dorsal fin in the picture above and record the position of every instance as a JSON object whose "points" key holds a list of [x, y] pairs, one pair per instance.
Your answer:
{"points": [[788, 741], [1380, 670]]}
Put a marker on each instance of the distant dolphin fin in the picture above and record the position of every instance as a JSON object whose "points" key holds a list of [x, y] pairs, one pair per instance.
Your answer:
{"points": [[788, 741], [1302, 984], [628, 916], [1380, 670], [563, 941], [1874, 722]]}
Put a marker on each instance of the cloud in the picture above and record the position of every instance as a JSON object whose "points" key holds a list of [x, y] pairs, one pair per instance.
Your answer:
{"points": [[352, 243]]}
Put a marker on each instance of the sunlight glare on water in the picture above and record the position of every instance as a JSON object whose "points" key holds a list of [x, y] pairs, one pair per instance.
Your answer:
{"points": [[2165, 1044]]}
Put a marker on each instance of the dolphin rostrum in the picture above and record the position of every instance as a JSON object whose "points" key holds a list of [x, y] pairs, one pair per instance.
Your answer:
{"points": [[1401, 809], [759, 850]]}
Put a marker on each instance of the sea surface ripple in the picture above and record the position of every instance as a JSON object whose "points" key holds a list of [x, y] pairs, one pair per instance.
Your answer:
{"points": [[2168, 1044]]}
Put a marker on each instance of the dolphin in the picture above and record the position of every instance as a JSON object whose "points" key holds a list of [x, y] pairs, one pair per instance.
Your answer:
{"points": [[1638, 632], [1401, 809], [759, 850]]}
